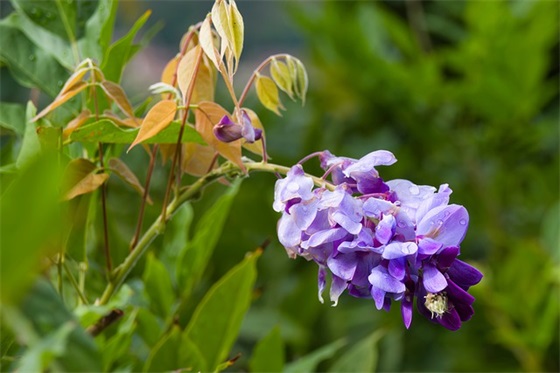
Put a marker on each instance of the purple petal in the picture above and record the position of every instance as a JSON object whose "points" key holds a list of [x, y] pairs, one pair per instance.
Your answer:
{"points": [[294, 185], [375, 207], [406, 310], [396, 268], [338, 286], [368, 162], [378, 296], [399, 249], [385, 229], [445, 224], [433, 280], [304, 213], [227, 131], [346, 222], [446, 257], [458, 295], [427, 246], [343, 266], [328, 235], [289, 233], [380, 278], [464, 274], [450, 320], [322, 281], [441, 198]]}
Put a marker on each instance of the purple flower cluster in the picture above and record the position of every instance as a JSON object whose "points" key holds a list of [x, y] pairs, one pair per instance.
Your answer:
{"points": [[391, 241]]}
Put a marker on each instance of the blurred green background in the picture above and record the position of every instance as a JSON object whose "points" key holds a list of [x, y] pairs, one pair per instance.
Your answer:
{"points": [[462, 92]]}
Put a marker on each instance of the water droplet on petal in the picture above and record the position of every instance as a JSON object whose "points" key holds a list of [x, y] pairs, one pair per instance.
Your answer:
{"points": [[446, 213], [440, 222], [413, 189], [397, 203], [401, 224], [462, 222]]}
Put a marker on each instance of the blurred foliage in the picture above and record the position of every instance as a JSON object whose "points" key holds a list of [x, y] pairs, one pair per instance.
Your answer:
{"points": [[464, 93]]}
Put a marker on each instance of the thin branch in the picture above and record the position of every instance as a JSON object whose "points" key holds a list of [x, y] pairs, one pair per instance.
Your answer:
{"points": [[254, 76], [105, 322]]}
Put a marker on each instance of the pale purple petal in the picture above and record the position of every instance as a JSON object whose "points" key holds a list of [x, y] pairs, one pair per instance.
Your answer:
{"points": [[375, 207], [322, 281], [368, 162], [396, 250], [434, 281], [325, 236], [338, 286], [406, 310], [427, 246], [378, 296], [289, 233], [445, 224], [343, 265], [385, 229]]}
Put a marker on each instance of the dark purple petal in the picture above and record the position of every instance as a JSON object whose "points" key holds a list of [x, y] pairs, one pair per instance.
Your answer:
{"points": [[227, 131], [380, 278], [368, 184], [458, 295], [433, 280], [450, 320], [446, 257], [464, 274]]}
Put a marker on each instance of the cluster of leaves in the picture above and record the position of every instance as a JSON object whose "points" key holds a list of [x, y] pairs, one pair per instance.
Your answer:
{"points": [[66, 305]]}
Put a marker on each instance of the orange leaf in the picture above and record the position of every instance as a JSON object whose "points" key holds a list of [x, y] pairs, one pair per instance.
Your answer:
{"points": [[127, 122], [157, 119], [73, 79], [196, 158], [186, 70], [62, 98], [116, 93], [204, 85], [121, 170], [207, 115], [76, 122], [168, 73], [80, 179]]}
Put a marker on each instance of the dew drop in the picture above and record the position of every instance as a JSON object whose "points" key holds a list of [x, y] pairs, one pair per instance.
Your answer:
{"points": [[31, 57], [440, 222], [446, 213], [462, 222], [59, 83], [49, 16], [413, 189], [401, 224], [397, 203]]}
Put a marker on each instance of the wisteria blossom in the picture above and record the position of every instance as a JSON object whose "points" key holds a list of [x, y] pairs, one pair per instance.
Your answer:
{"points": [[391, 241]]}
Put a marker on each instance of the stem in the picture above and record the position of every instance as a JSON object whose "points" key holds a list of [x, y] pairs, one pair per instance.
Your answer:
{"points": [[158, 227], [181, 130], [254, 76], [59, 275], [74, 283], [69, 32], [106, 250]]}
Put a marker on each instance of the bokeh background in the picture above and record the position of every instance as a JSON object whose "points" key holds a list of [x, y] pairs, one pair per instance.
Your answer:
{"points": [[462, 92]]}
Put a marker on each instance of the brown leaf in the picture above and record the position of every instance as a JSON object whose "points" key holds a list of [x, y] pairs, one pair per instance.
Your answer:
{"points": [[76, 123], [206, 116], [116, 93], [196, 158], [62, 98], [204, 85], [186, 70], [127, 122], [157, 119], [121, 170], [79, 178], [73, 79]]}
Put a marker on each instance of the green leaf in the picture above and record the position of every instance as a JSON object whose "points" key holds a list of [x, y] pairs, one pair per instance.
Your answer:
{"points": [[12, 117], [176, 238], [361, 357], [99, 30], [216, 321], [194, 258], [119, 344], [237, 30], [30, 65], [282, 76], [309, 362], [165, 354], [31, 147], [51, 43], [158, 286], [120, 52], [48, 15], [106, 131], [47, 317], [268, 355]]}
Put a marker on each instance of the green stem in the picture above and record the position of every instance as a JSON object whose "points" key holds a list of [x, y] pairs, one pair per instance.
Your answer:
{"points": [[255, 74], [228, 169], [74, 283], [69, 32]]}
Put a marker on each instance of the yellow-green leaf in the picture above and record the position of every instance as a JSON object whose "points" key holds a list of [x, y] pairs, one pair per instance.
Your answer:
{"points": [[186, 70], [206, 38], [207, 115], [157, 119], [302, 81], [73, 79], [116, 93], [60, 99], [268, 94], [237, 28], [282, 76]]}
